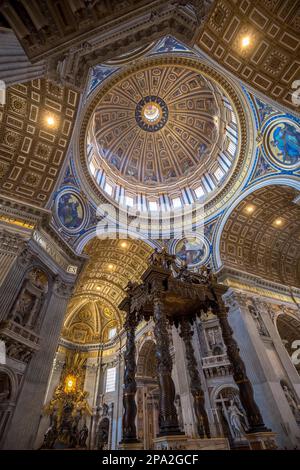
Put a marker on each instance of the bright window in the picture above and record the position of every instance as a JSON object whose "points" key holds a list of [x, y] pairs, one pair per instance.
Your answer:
{"points": [[176, 202], [93, 169], [108, 189], [110, 380], [219, 173], [199, 192], [112, 332], [129, 201], [232, 148], [153, 205]]}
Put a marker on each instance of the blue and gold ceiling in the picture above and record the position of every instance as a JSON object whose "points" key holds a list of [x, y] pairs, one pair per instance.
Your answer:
{"points": [[167, 131]]}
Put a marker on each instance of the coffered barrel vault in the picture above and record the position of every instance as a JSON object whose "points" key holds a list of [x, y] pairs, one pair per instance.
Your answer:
{"points": [[270, 60], [36, 125]]}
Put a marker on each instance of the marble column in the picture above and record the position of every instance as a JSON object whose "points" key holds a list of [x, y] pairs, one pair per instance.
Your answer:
{"points": [[168, 421], [25, 422], [186, 333], [267, 363], [239, 372], [129, 392]]}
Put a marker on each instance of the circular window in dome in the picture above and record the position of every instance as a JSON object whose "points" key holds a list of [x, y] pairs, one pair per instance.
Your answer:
{"points": [[151, 113]]}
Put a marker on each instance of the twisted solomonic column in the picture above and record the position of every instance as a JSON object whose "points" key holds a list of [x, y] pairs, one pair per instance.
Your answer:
{"points": [[186, 334], [168, 421], [130, 409]]}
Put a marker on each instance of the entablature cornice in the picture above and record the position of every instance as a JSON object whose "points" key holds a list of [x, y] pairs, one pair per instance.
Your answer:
{"points": [[243, 283]]}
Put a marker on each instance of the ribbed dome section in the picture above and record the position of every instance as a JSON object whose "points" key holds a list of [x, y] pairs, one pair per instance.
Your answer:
{"points": [[159, 125]]}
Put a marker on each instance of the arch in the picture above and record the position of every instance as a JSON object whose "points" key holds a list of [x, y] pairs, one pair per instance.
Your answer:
{"points": [[87, 237], [274, 180], [217, 390], [101, 286], [252, 242], [146, 361], [109, 325], [13, 383]]}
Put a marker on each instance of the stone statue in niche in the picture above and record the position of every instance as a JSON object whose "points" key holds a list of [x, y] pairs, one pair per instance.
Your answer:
{"points": [[179, 412], [258, 320], [24, 307], [234, 420], [103, 428], [291, 399], [233, 415], [83, 435], [103, 432], [31, 298]]}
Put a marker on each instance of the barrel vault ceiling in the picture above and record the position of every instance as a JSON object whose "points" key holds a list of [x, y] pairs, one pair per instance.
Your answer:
{"points": [[101, 288]]}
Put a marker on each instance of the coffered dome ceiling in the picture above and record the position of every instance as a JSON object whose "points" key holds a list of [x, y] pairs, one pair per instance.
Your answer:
{"points": [[159, 125], [161, 129]]}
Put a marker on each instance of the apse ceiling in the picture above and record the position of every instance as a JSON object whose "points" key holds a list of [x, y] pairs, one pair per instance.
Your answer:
{"points": [[93, 309], [262, 235]]}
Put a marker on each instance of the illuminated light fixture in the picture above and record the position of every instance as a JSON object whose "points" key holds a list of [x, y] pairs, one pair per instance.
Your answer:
{"points": [[50, 121], [110, 266], [246, 41], [249, 209], [124, 245], [278, 222]]}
